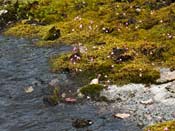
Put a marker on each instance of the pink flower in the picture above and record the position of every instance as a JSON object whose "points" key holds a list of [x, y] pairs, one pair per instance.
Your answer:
{"points": [[166, 129]]}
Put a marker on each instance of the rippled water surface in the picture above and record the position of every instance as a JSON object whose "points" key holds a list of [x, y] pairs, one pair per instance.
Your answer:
{"points": [[21, 65]]}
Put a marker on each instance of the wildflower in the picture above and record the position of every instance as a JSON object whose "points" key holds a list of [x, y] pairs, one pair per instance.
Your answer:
{"points": [[138, 10], [166, 129], [140, 75], [90, 27], [81, 26], [104, 28], [91, 22]]}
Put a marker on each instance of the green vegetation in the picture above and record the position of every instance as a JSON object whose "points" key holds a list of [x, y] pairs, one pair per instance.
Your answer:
{"points": [[124, 40], [165, 126], [92, 91]]}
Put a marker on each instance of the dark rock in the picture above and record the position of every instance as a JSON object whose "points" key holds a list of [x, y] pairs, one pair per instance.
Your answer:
{"points": [[101, 43], [123, 58], [131, 21], [53, 34], [81, 5], [152, 51], [100, 3], [118, 51], [81, 123], [119, 55]]}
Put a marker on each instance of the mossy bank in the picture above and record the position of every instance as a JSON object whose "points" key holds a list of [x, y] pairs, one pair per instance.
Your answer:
{"points": [[164, 126], [125, 40]]}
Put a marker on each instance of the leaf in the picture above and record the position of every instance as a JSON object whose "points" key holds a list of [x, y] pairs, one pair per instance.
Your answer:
{"points": [[122, 115]]}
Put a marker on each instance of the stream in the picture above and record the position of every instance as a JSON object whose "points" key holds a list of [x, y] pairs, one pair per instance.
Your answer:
{"points": [[22, 65]]}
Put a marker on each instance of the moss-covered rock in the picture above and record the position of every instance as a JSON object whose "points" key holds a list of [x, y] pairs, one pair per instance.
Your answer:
{"points": [[92, 91], [164, 126], [53, 98], [52, 34]]}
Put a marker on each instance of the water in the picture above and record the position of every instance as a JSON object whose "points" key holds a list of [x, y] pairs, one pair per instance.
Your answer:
{"points": [[22, 64]]}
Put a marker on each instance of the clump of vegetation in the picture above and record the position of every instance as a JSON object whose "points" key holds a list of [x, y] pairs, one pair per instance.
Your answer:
{"points": [[165, 126], [116, 38], [92, 91], [53, 98]]}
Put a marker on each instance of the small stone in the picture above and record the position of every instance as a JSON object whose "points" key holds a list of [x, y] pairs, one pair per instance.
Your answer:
{"points": [[147, 102], [54, 82], [81, 123], [29, 89]]}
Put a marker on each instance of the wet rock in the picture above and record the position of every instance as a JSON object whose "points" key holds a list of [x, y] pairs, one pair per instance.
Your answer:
{"points": [[81, 123], [54, 83], [52, 34]]}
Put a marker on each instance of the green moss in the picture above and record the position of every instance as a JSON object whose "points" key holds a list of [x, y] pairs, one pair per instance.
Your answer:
{"points": [[169, 125], [136, 73], [146, 28], [92, 90]]}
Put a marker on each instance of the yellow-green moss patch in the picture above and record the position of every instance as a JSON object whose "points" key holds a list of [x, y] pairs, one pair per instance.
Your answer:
{"points": [[165, 126]]}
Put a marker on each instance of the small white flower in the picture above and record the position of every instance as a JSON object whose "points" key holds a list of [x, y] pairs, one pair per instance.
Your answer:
{"points": [[138, 10], [140, 75], [81, 26]]}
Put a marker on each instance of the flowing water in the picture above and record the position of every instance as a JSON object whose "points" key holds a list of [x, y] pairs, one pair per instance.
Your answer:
{"points": [[22, 65]]}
